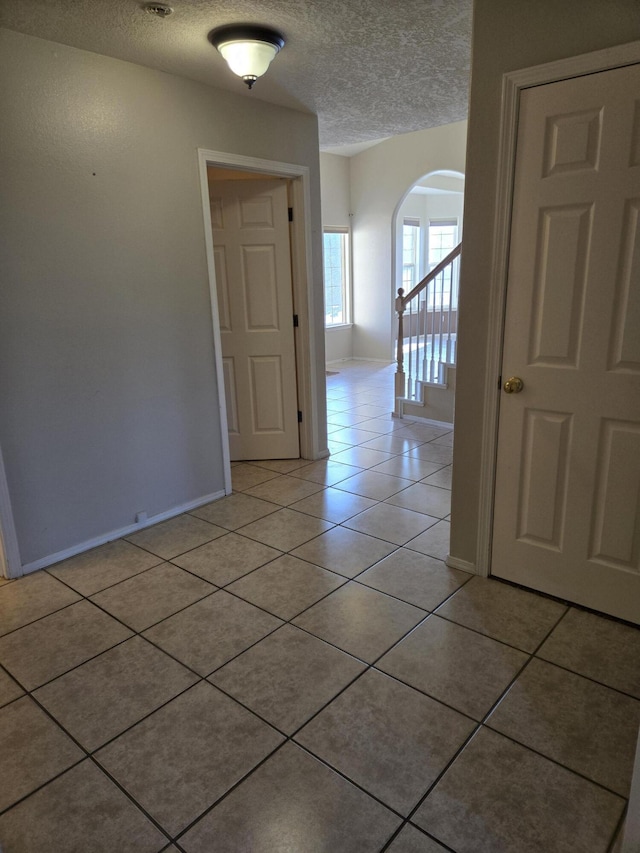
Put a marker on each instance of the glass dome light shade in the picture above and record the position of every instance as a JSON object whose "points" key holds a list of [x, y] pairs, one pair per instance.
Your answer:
{"points": [[248, 58], [248, 50]]}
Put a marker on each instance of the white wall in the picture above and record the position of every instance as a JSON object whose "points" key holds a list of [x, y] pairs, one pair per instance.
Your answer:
{"points": [[336, 206], [507, 35], [107, 375], [380, 178]]}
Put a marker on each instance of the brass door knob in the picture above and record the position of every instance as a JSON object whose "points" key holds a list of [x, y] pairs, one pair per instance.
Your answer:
{"points": [[514, 385]]}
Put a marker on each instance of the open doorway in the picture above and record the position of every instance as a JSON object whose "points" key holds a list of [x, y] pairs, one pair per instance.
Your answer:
{"points": [[296, 180], [427, 229]]}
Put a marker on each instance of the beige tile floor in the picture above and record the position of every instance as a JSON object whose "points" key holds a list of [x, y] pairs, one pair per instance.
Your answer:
{"points": [[294, 668]]}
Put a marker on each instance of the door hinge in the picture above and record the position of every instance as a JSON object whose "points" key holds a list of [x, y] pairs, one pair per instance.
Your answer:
{"points": [[295, 321], [290, 214], [299, 416]]}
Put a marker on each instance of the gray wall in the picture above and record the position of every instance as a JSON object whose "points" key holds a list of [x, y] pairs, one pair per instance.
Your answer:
{"points": [[507, 35], [107, 375]]}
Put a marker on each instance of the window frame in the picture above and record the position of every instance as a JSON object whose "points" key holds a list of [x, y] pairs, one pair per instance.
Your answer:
{"points": [[346, 276], [451, 292], [412, 222]]}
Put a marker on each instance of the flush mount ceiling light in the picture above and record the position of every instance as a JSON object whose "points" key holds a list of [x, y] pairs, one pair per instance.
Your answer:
{"points": [[247, 49]]}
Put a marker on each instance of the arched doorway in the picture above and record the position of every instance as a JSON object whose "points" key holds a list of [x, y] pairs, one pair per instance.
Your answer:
{"points": [[427, 225]]}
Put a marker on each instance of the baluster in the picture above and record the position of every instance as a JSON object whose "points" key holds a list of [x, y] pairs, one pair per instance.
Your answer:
{"points": [[400, 385], [440, 318], [449, 312]]}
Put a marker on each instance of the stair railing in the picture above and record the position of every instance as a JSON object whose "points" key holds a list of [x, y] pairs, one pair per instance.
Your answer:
{"points": [[431, 328]]}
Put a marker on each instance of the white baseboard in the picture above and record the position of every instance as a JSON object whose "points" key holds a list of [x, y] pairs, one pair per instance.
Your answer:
{"points": [[43, 562], [463, 565], [419, 418]]}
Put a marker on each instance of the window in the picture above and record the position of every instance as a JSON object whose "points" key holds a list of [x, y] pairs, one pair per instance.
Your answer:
{"points": [[336, 276], [410, 253], [443, 237]]}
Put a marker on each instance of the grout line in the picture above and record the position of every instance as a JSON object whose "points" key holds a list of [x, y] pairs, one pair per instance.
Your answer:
{"points": [[367, 666]]}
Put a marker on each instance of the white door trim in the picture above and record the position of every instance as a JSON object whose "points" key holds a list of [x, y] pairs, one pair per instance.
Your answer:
{"points": [[10, 562], [512, 85], [302, 276]]}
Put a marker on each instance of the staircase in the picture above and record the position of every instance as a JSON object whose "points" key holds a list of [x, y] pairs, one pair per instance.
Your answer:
{"points": [[426, 344]]}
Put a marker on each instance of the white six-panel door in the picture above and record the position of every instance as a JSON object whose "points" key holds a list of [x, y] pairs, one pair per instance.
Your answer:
{"points": [[567, 503], [253, 279]]}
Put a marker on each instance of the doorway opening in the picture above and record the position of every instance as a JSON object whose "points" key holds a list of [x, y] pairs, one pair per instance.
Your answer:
{"points": [[427, 227], [292, 388]]}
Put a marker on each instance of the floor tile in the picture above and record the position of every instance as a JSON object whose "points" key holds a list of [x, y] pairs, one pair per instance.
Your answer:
{"points": [[353, 435], [407, 467], [244, 476], [235, 510], [287, 586], [597, 647], [9, 690], [339, 405], [210, 632], [422, 431], [344, 418], [441, 478], [287, 677], [414, 578], [281, 466], [33, 749], [175, 536], [546, 710], [333, 505], [373, 484], [285, 529], [293, 803], [446, 439], [411, 840], [326, 472], [285, 490], [387, 738], [344, 551], [362, 457], [104, 566], [499, 796], [392, 443], [455, 665], [102, 698], [45, 649], [336, 447], [434, 542], [147, 598], [422, 498], [181, 759], [391, 523], [381, 425], [359, 620], [522, 619], [226, 559], [30, 598], [370, 411], [432, 453], [101, 820]]}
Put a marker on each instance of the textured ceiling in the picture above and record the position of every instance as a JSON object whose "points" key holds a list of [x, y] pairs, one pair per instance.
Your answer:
{"points": [[368, 69]]}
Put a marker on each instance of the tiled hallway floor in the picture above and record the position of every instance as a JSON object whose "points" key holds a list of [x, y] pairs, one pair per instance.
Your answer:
{"points": [[293, 669]]}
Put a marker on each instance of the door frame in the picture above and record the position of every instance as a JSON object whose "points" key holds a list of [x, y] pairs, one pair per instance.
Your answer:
{"points": [[513, 84], [10, 562], [302, 287]]}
